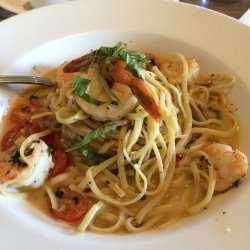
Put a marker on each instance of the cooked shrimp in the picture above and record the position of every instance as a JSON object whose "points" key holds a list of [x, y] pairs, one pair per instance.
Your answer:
{"points": [[118, 77], [39, 158], [76, 64], [69, 70], [230, 165], [106, 111], [64, 77], [137, 86], [173, 70]]}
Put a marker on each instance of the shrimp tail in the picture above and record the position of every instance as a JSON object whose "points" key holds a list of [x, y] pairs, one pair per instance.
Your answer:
{"points": [[146, 100], [153, 61], [76, 64], [137, 87]]}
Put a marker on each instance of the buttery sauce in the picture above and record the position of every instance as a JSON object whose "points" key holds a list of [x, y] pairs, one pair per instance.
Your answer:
{"points": [[181, 186]]}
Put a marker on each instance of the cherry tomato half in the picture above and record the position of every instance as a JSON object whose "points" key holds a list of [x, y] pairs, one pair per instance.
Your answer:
{"points": [[61, 162], [59, 157], [24, 129], [74, 206], [23, 112], [53, 140]]}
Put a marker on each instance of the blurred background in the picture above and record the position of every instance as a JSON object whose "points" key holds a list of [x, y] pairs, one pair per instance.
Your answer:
{"points": [[233, 8]]}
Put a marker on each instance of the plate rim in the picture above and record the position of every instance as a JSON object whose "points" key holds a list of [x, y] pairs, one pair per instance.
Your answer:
{"points": [[31, 16]]}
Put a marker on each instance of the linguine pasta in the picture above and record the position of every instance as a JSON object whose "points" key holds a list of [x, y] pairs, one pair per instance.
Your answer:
{"points": [[130, 168]]}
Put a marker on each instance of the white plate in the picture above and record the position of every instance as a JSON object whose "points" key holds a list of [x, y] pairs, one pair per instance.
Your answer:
{"points": [[19, 6], [15, 6], [59, 32]]}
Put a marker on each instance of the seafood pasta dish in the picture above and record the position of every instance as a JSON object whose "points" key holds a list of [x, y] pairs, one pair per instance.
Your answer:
{"points": [[125, 142]]}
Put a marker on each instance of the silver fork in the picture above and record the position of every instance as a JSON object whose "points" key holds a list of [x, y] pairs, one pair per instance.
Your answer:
{"points": [[14, 79]]}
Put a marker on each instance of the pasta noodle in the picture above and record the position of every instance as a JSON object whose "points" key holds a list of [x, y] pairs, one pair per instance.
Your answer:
{"points": [[134, 154]]}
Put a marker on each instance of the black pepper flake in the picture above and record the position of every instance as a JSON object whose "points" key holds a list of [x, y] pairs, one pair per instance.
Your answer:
{"points": [[33, 97], [76, 199], [115, 171], [28, 152], [59, 193], [26, 109], [202, 158], [114, 103], [208, 163]]}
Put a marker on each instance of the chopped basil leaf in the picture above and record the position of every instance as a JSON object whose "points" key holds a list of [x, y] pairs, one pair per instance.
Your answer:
{"points": [[93, 135], [108, 90], [85, 68], [91, 100], [133, 162], [105, 51], [109, 63], [135, 60], [80, 87], [49, 150], [91, 155], [16, 158]]}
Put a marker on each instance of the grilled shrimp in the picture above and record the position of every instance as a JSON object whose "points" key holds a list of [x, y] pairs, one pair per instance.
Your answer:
{"points": [[122, 82], [39, 158], [173, 70], [230, 165], [76, 64], [64, 77], [137, 86], [69, 70], [108, 110]]}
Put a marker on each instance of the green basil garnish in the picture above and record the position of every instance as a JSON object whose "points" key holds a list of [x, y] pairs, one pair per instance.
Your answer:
{"points": [[80, 87], [134, 60], [93, 135], [108, 90], [91, 155]]}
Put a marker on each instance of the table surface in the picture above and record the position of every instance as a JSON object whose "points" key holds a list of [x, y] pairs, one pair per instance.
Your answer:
{"points": [[233, 8]]}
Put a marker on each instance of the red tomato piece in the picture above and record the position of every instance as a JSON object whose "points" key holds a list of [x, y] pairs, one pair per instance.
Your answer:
{"points": [[61, 162], [53, 140], [74, 205], [24, 129], [23, 112], [59, 157]]}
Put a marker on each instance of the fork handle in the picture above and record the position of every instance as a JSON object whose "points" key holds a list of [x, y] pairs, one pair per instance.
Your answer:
{"points": [[14, 79]]}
